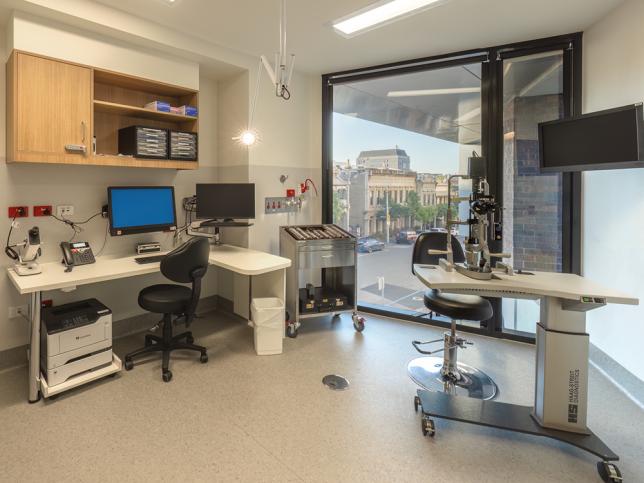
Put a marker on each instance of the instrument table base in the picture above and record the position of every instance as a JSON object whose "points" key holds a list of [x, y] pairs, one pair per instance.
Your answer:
{"points": [[510, 417]]}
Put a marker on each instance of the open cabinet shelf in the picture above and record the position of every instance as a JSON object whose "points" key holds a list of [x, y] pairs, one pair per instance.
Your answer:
{"points": [[56, 108], [118, 103], [125, 110]]}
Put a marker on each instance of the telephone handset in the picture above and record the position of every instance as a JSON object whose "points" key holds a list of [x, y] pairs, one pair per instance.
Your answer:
{"points": [[76, 253]]}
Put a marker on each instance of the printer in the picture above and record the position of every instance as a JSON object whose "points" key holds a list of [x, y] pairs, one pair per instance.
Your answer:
{"points": [[75, 338]]}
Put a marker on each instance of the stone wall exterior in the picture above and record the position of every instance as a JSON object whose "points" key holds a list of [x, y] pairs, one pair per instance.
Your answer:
{"points": [[532, 201]]}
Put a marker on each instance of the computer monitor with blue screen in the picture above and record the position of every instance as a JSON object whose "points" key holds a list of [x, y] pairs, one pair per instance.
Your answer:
{"points": [[141, 209]]}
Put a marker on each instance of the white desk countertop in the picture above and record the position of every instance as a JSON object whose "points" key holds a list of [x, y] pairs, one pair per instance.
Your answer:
{"points": [[545, 284], [53, 277]]}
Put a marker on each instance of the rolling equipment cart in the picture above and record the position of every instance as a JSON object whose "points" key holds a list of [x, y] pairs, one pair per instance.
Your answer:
{"points": [[332, 250]]}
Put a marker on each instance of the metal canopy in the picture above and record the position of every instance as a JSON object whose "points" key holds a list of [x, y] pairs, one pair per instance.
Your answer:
{"points": [[444, 103]]}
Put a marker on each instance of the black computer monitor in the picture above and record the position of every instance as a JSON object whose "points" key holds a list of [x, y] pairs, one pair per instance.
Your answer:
{"points": [[141, 209], [226, 201]]}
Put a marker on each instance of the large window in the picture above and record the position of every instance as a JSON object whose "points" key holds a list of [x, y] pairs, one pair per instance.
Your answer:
{"points": [[396, 141], [394, 134], [533, 92]]}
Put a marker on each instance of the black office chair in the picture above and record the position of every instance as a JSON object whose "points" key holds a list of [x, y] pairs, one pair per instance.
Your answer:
{"points": [[447, 374], [186, 264]]}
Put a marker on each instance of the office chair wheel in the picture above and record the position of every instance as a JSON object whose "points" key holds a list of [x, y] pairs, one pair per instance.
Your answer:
{"points": [[167, 376], [291, 331], [427, 426], [203, 358], [190, 339], [609, 472], [417, 403], [128, 364], [358, 323]]}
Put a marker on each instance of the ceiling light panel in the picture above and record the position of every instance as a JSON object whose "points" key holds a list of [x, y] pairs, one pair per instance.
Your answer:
{"points": [[379, 14], [434, 92]]}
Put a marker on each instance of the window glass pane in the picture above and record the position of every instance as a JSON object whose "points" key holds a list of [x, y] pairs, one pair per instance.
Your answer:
{"points": [[532, 93], [396, 140]]}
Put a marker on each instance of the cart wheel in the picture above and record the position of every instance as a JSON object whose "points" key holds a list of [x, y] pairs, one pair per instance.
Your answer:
{"points": [[291, 331], [427, 425], [128, 364], [417, 403], [358, 323], [609, 472], [166, 376], [203, 358]]}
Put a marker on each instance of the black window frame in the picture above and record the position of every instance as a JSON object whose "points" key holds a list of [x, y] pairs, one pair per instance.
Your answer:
{"points": [[492, 144]]}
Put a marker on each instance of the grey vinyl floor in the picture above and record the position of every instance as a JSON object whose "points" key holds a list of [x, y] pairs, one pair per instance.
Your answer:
{"points": [[241, 417]]}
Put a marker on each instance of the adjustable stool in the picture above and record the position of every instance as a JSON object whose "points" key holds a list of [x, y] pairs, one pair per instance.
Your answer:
{"points": [[446, 374]]}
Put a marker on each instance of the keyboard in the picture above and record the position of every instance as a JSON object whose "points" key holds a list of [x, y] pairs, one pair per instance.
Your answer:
{"points": [[149, 259]]}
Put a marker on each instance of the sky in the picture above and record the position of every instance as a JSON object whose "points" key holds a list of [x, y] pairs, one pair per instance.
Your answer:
{"points": [[427, 154]]}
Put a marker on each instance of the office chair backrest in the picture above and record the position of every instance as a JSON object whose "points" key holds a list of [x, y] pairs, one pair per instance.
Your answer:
{"points": [[435, 241], [184, 263], [188, 264]]}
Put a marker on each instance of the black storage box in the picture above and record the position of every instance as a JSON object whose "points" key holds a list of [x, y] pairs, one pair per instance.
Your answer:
{"points": [[144, 142], [324, 301], [307, 305], [183, 146]]}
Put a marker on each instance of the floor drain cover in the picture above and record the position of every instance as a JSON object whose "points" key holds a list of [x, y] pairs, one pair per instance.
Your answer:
{"points": [[337, 383]]}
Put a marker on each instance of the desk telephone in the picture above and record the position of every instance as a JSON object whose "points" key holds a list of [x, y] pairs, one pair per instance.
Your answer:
{"points": [[76, 253]]}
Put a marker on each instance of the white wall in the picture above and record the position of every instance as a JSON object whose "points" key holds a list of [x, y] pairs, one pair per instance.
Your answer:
{"points": [[45, 37], [85, 186], [290, 133], [614, 200]]}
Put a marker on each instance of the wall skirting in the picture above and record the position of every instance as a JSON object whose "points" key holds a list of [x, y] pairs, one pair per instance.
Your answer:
{"points": [[17, 356], [622, 378]]}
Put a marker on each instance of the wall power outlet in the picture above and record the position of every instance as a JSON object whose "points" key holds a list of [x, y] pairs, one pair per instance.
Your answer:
{"points": [[64, 211], [18, 311]]}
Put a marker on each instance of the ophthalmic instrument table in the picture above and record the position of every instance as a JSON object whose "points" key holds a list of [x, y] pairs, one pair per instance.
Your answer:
{"points": [[561, 383]]}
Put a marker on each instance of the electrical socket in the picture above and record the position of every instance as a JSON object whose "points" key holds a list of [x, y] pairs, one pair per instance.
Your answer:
{"points": [[64, 211], [18, 311], [42, 210], [18, 211]]}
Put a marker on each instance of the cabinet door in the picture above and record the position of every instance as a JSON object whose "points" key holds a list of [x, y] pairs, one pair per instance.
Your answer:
{"points": [[52, 109]]}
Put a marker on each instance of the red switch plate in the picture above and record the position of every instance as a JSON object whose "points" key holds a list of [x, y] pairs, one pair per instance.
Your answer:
{"points": [[42, 210], [47, 303], [18, 211]]}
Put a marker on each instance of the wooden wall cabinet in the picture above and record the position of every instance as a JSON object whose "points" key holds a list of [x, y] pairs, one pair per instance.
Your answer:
{"points": [[49, 110], [55, 109]]}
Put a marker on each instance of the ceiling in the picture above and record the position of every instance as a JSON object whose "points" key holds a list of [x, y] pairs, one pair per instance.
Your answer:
{"points": [[251, 26]]}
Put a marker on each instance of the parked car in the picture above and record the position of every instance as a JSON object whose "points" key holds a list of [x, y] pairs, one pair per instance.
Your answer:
{"points": [[369, 244], [406, 237]]}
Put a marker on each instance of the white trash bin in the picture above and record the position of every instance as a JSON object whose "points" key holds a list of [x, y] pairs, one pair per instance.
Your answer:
{"points": [[267, 315]]}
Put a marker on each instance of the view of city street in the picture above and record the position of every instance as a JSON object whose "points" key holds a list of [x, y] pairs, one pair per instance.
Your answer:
{"points": [[402, 290], [397, 142]]}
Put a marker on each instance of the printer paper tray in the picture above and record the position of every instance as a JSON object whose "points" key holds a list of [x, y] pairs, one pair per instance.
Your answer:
{"points": [[73, 382]]}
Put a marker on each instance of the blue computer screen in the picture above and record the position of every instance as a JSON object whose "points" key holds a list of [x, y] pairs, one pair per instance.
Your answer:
{"points": [[140, 207]]}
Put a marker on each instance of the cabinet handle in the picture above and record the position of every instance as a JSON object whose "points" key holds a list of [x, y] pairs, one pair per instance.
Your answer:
{"points": [[83, 131]]}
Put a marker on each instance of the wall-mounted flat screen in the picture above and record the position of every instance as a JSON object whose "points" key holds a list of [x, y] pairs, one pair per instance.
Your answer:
{"points": [[611, 139]]}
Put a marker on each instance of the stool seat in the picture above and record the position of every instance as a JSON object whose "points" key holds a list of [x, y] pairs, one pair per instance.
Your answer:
{"points": [[165, 298], [458, 307]]}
